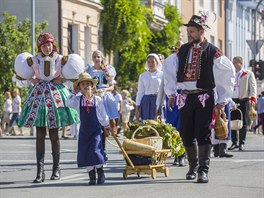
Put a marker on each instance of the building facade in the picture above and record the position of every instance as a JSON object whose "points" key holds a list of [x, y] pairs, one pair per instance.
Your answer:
{"points": [[74, 23]]}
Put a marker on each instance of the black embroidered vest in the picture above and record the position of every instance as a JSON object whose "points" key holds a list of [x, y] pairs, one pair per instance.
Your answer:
{"points": [[206, 78]]}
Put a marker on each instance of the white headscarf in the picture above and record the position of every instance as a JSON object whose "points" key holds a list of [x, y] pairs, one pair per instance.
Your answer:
{"points": [[159, 64]]}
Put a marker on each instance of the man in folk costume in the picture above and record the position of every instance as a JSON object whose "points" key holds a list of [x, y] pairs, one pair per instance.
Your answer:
{"points": [[198, 69], [245, 93]]}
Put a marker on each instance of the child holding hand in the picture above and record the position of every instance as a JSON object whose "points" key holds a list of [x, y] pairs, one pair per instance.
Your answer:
{"points": [[92, 115]]}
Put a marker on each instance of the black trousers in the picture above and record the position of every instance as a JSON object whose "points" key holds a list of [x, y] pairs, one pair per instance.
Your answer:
{"points": [[195, 120], [244, 107]]}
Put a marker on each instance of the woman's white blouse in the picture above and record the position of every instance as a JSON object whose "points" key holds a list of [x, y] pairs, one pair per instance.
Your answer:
{"points": [[8, 106], [148, 84], [74, 102], [224, 76]]}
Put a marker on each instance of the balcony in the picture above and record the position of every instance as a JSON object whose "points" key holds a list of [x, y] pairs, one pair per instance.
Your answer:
{"points": [[157, 7]]}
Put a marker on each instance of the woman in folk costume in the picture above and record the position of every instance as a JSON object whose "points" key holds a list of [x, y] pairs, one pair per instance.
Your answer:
{"points": [[45, 103], [92, 115], [105, 74], [149, 85], [198, 69]]}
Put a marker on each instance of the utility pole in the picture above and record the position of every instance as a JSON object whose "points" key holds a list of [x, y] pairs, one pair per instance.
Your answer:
{"points": [[32, 42]]}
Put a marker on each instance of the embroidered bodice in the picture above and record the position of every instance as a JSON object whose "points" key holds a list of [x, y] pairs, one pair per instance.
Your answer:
{"points": [[47, 67]]}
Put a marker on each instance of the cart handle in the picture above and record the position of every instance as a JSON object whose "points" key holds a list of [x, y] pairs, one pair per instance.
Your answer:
{"points": [[142, 127]]}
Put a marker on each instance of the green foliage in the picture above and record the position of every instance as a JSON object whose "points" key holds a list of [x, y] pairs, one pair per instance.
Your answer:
{"points": [[170, 136], [165, 39], [126, 34], [14, 39], [126, 31]]}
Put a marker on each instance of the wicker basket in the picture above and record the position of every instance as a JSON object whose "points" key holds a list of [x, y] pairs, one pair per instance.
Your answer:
{"points": [[221, 130], [154, 141], [237, 124]]}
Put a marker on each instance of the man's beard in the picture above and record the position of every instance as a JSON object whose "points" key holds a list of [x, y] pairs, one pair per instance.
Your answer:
{"points": [[197, 41]]}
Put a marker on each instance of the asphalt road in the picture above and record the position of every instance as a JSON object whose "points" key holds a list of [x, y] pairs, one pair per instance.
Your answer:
{"points": [[241, 176]]}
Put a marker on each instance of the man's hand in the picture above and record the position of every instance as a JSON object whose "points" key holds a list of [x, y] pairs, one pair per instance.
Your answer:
{"points": [[35, 81], [219, 109], [171, 103]]}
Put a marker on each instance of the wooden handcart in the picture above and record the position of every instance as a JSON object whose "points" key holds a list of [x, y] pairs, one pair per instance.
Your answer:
{"points": [[157, 164]]}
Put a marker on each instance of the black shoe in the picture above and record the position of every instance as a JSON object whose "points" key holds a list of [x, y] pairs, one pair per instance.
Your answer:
{"points": [[92, 177], [241, 147], [182, 161], [176, 161], [202, 177], [191, 175], [226, 155], [232, 147], [101, 176]]}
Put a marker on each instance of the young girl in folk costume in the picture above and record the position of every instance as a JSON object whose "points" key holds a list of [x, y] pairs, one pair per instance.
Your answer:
{"points": [[105, 74], [92, 115], [148, 88], [127, 105], [44, 106]]}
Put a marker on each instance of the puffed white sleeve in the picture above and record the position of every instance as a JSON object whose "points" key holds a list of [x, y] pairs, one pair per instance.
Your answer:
{"points": [[170, 69], [101, 113], [141, 90], [161, 94], [112, 74], [73, 101], [224, 76]]}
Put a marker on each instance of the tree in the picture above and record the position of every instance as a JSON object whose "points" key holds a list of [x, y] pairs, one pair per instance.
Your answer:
{"points": [[165, 39], [126, 32], [14, 39]]}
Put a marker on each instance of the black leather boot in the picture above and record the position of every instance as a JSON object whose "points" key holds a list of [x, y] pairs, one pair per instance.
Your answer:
{"points": [[193, 162], [92, 177], [182, 160], [222, 151], [101, 176], [216, 150], [40, 168], [204, 161], [55, 168]]}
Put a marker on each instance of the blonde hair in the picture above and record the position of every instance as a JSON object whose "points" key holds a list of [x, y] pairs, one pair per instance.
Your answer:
{"points": [[8, 94], [125, 92], [98, 52], [239, 59], [16, 90]]}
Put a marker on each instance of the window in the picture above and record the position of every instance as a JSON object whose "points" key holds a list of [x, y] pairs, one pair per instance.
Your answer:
{"points": [[212, 5], [212, 39], [201, 3], [220, 8], [220, 44], [72, 38], [87, 47]]}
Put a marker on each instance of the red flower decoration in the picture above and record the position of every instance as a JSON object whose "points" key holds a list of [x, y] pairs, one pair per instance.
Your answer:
{"points": [[48, 105], [243, 74], [39, 92], [57, 101]]}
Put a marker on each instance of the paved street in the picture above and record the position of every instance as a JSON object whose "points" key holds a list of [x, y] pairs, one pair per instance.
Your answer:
{"points": [[241, 176]]}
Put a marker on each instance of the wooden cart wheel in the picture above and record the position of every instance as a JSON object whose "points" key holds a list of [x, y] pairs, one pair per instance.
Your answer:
{"points": [[124, 174], [153, 173], [167, 172]]}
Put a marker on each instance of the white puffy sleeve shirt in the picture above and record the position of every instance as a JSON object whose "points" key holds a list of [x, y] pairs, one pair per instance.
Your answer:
{"points": [[224, 76], [74, 102], [148, 84]]}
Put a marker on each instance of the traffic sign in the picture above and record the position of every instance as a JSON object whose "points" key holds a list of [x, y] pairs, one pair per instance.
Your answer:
{"points": [[254, 47]]}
